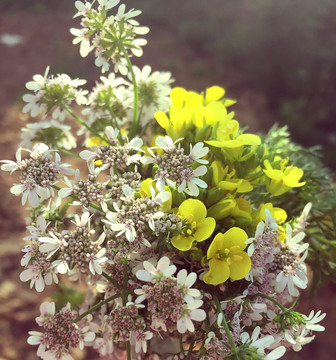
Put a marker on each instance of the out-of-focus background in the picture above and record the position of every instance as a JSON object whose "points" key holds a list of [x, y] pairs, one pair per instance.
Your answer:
{"points": [[277, 58]]}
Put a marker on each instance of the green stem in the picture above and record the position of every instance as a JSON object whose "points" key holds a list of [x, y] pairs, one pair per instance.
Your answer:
{"points": [[191, 346], [125, 278], [273, 301], [226, 328], [67, 152], [65, 207], [128, 350], [110, 279], [95, 307], [82, 122], [134, 126]]}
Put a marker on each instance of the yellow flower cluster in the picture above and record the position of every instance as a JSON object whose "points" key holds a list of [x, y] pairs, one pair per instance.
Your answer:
{"points": [[239, 166], [217, 223]]}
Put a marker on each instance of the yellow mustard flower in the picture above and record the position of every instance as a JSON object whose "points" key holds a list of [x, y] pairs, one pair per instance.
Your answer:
{"points": [[225, 180], [199, 226], [231, 142], [279, 181], [189, 109], [227, 258]]}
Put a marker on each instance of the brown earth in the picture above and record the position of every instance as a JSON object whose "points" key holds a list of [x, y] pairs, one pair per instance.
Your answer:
{"points": [[46, 41]]}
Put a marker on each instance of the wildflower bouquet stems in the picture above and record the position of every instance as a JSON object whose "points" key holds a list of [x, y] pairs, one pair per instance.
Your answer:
{"points": [[179, 257]]}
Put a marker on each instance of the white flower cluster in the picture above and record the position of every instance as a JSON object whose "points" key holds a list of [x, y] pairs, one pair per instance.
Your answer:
{"points": [[53, 92], [112, 37]]}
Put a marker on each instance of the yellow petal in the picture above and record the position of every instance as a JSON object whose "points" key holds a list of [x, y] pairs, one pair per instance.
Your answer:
{"points": [[162, 119], [218, 273], [230, 185], [249, 139], [244, 187], [144, 188], [274, 174], [292, 176], [204, 229], [193, 209], [178, 96], [214, 93], [240, 266], [193, 99], [216, 244], [280, 215], [234, 237], [183, 243], [215, 112]]}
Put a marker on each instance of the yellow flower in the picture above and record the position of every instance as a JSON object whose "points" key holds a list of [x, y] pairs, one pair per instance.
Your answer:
{"points": [[227, 257], [189, 109], [199, 227], [279, 181], [232, 142]]}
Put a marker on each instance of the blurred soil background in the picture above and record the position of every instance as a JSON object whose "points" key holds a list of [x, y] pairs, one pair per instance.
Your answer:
{"points": [[277, 58]]}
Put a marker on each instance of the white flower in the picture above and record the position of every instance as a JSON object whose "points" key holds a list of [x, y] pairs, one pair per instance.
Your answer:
{"points": [[312, 320], [39, 274], [191, 183], [38, 230], [97, 260], [51, 93], [63, 137], [191, 312], [154, 89], [298, 340], [83, 8], [261, 343], [12, 166], [51, 244], [139, 339], [186, 281], [293, 243], [152, 273], [197, 152], [291, 278], [257, 236], [108, 4], [82, 37]]}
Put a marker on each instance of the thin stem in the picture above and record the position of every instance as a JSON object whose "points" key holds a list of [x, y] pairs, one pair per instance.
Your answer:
{"points": [[128, 350], [95, 307], [82, 122], [110, 279], [65, 207], [191, 346], [284, 309], [67, 152], [125, 277], [226, 328], [136, 96]]}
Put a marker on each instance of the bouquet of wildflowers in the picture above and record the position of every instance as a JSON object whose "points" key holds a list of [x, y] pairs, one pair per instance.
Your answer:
{"points": [[161, 225]]}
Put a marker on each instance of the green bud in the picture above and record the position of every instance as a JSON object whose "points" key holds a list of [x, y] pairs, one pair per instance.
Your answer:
{"points": [[213, 195]]}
